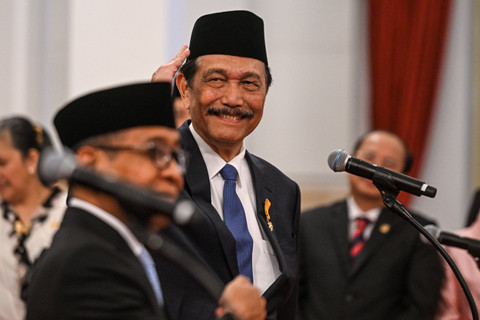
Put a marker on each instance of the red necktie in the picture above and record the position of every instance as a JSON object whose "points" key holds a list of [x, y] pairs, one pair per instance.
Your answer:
{"points": [[358, 241]]}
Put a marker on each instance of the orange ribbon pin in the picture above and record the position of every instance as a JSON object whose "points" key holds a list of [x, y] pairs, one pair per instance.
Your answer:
{"points": [[268, 204]]}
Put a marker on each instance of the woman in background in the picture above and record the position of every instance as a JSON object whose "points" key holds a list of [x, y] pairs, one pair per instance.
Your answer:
{"points": [[454, 304], [30, 212]]}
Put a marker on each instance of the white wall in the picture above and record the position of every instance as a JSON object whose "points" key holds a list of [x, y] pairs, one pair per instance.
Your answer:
{"points": [[115, 41], [54, 50]]}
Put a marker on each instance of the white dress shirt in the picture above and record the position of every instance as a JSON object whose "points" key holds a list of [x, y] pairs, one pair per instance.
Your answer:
{"points": [[264, 262], [355, 212]]}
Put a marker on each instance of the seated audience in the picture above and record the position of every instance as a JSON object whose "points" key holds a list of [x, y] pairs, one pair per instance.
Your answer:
{"points": [[360, 261]]}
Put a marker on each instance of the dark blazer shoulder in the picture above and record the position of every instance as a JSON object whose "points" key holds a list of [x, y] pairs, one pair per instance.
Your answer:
{"points": [[88, 256], [320, 212]]}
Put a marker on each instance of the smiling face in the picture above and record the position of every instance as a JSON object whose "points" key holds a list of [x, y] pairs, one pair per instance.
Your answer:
{"points": [[16, 172], [225, 100]]}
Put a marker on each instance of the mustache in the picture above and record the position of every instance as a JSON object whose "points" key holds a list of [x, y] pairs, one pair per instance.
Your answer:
{"points": [[230, 112]]}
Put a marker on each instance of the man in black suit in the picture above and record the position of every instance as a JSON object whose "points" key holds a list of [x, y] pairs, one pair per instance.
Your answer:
{"points": [[98, 266], [223, 84], [394, 276]]}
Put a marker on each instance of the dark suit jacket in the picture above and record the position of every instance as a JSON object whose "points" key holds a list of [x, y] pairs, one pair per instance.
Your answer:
{"points": [[397, 276], [216, 245], [90, 273]]}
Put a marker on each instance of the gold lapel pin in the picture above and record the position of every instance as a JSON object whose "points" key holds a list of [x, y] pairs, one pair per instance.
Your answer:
{"points": [[385, 228], [268, 204]]}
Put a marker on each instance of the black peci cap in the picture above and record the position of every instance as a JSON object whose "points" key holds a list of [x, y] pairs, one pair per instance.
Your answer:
{"points": [[105, 111], [236, 33]]}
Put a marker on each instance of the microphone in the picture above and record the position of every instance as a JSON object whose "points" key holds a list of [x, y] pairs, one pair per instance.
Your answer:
{"points": [[340, 160], [54, 166], [453, 240]]}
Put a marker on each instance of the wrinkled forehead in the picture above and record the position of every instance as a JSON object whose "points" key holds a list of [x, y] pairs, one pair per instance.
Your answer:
{"points": [[232, 65]]}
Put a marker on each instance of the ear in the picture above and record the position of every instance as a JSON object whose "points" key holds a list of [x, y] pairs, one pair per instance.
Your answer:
{"points": [[182, 86], [31, 160], [93, 159], [87, 156]]}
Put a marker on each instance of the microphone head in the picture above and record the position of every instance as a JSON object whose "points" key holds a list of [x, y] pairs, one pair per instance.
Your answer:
{"points": [[54, 166], [185, 213], [337, 159]]}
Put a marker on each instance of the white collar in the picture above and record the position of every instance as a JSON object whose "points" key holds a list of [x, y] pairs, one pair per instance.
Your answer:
{"points": [[213, 161], [354, 211], [112, 221]]}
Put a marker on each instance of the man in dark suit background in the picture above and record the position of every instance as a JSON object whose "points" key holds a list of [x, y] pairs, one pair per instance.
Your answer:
{"points": [[394, 276], [97, 266], [223, 84]]}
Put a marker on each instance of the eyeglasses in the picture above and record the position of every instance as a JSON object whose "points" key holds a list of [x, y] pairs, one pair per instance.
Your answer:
{"points": [[160, 154]]}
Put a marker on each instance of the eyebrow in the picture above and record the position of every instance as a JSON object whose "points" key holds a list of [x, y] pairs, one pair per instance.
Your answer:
{"points": [[224, 73], [212, 71]]}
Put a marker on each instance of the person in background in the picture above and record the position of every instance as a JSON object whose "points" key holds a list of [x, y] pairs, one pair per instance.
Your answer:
{"points": [[30, 211], [360, 261], [98, 266], [453, 304]]}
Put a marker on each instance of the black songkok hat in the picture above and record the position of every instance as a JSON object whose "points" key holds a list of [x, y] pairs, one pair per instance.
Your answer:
{"points": [[235, 33], [105, 111]]}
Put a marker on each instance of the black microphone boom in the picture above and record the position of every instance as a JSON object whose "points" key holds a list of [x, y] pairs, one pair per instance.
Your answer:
{"points": [[340, 160], [54, 166], [453, 240]]}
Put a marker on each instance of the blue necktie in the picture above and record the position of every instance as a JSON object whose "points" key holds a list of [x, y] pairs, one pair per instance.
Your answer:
{"points": [[236, 222], [149, 267]]}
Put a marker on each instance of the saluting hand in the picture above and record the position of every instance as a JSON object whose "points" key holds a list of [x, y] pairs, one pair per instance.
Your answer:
{"points": [[166, 72]]}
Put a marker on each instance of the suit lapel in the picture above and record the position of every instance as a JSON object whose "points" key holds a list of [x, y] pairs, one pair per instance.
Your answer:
{"points": [[91, 224], [264, 190], [197, 186], [339, 230]]}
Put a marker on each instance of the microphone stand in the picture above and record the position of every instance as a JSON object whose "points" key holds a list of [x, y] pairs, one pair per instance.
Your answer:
{"points": [[202, 274], [166, 247], [385, 184]]}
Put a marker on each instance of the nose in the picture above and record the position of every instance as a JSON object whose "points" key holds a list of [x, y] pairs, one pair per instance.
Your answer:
{"points": [[232, 95]]}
